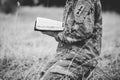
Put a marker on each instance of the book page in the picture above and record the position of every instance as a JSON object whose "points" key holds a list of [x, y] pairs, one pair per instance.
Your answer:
{"points": [[48, 24]]}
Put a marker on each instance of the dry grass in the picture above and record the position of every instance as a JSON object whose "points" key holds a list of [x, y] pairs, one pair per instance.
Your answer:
{"points": [[23, 51]]}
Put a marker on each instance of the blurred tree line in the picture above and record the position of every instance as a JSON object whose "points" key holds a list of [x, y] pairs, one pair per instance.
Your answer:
{"points": [[9, 6]]}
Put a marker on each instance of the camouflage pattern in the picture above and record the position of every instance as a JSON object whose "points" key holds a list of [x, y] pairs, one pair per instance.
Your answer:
{"points": [[79, 43]]}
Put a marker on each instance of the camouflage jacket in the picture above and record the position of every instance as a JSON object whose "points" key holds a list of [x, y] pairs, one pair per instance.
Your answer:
{"points": [[79, 43], [82, 20]]}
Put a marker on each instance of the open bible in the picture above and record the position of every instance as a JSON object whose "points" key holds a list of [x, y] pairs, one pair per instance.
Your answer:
{"points": [[44, 24]]}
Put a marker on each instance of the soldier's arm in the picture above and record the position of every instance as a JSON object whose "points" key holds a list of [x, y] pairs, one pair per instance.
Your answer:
{"points": [[77, 33]]}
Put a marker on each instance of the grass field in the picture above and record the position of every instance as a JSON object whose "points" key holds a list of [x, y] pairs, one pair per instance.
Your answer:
{"points": [[23, 51]]}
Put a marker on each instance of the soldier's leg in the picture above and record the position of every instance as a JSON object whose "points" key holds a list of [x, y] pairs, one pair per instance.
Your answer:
{"points": [[51, 63], [71, 67]]}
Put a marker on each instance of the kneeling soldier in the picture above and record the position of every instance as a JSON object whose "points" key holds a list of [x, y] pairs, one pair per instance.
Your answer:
{"points": [[79, 43]]}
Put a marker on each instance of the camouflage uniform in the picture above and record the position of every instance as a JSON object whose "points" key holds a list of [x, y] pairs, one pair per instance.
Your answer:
{"points": [[79, 43]]}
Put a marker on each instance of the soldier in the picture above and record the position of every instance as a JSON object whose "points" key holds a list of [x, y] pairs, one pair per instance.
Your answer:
{"points": [[79, 43]]}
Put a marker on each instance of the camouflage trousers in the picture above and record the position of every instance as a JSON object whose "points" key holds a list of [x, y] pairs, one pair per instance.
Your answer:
{"points": [[73, 67]]}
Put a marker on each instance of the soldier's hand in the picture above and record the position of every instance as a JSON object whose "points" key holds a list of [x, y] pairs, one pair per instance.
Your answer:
{"points": [[50, 33]]}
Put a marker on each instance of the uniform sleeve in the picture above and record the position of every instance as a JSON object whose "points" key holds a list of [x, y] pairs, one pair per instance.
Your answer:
{"points": [[74, 31], [78, 32], [73, 35]]}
